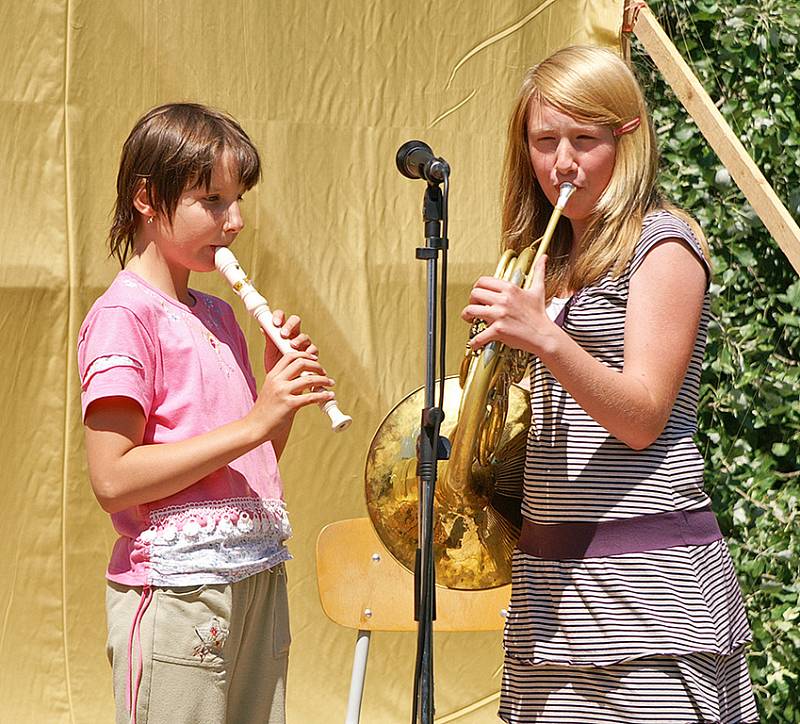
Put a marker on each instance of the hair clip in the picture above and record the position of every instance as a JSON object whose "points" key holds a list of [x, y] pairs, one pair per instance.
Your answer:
{"points": [[627, 127]]}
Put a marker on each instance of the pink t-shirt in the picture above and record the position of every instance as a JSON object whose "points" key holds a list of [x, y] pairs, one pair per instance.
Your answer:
{"points": [[188, 369]]}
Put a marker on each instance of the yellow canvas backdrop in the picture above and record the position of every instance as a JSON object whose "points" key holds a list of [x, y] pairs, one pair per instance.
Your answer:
{"points": [[328, 91]]}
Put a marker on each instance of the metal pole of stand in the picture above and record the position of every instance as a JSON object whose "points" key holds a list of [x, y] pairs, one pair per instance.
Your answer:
{"points": [[427, 467], [416, 160]]}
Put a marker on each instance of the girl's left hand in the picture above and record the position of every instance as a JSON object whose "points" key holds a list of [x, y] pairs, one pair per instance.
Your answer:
{"points": [[290, 329], [515, 317]]}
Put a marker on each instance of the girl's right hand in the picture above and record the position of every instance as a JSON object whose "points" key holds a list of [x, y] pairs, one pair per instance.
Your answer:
{"points": [[288, 387], [515, 317]]}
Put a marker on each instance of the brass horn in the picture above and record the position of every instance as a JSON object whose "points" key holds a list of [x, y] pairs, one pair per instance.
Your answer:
{"points": [[487, 415]]}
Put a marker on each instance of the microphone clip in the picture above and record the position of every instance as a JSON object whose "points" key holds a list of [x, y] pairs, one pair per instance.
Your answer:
{"points": [[415, 159]]}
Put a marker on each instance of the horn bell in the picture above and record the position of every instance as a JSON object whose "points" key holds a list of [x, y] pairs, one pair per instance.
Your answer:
{"points": [[475, 532]]}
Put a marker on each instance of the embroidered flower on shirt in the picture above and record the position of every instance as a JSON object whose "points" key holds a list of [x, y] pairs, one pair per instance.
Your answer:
{"points": [[169, 312], [213, 311], [210, 313], [212, 638], [224, 367]]}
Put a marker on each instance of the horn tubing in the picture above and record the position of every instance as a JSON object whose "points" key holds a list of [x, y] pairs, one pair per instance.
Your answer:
{"points": [[229, 267], [482, 370], [566, 190]]}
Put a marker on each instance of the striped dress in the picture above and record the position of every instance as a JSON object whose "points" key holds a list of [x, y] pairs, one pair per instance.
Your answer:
{"points": [[637, 637]]}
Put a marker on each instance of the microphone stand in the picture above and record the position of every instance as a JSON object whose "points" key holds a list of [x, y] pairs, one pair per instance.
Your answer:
{"points": [[431, 446]]}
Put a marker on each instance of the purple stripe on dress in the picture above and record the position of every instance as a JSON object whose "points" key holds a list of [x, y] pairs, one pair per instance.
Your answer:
{"points": [[613, 537]]}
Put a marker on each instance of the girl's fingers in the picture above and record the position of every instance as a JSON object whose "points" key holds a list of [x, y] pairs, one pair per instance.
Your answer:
{"points": [[308, 382], [300, 365], [491, 283], [478, 311], [301, 342], [481, 295], [479, 340], [539, 272], [313, 398], [291, 327], [295, 357]]}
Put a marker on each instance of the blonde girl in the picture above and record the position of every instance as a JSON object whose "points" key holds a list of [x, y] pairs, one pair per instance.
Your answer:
{"points": [[625, 606]]}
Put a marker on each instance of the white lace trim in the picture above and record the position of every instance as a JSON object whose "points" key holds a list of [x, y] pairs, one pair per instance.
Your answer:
{"points": [[101, 364], [216, 541]]}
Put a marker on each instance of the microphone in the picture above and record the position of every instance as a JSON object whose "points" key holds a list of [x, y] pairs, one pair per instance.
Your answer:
{"points": [[416, 160]]}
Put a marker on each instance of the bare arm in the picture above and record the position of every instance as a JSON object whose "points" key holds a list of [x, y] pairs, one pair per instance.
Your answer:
{"points": [[664, 306], [126, 472]]}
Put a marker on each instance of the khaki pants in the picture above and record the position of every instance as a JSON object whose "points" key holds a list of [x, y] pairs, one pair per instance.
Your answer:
{"points": [[210, 653]]}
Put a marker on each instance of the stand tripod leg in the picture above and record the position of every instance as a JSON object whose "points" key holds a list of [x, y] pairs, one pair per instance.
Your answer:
{"points": [[357, 678]]}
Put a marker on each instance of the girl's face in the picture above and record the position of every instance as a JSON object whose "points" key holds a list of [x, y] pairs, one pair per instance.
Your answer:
{"points": [[204, 219], [563, 149]]}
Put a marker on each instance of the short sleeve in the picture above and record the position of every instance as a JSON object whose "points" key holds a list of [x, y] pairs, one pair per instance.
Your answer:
{"points": [[116, 358], [660, 226]]}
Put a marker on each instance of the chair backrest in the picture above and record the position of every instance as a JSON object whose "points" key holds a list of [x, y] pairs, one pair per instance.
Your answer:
{"points": [[362, 586]]}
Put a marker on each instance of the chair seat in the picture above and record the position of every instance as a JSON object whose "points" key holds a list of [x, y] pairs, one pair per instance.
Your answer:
{"points": [[361, 586]]}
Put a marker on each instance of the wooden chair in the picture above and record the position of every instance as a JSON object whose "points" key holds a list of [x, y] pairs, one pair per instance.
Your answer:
{"points": [[361, 586]]}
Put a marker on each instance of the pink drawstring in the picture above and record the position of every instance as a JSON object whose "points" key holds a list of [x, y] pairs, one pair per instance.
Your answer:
{"points": [[132, 687]]}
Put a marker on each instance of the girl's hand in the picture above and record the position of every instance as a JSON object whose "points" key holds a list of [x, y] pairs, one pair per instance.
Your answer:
{"points": [[290, 329], [288, 387], [515, 317]]}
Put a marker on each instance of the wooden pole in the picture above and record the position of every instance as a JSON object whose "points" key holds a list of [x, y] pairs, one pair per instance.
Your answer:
{"points": [[719, 135]]}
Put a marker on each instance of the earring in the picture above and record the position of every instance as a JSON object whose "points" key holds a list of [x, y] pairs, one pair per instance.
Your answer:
{"points": [[150, 219]]}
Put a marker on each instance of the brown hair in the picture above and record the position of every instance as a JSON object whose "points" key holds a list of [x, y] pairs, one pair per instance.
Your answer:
{"points": [[592, 85], [172, 148]]}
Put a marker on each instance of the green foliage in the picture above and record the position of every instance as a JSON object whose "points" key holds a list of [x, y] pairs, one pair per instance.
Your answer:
{"points": [[746, 55]]}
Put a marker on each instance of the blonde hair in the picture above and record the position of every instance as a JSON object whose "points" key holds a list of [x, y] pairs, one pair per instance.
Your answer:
{"points": [[591, 85]]}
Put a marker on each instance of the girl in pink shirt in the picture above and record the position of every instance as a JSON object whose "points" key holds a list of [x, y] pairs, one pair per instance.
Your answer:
{"points": [[182, 446]]}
